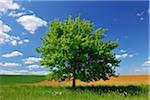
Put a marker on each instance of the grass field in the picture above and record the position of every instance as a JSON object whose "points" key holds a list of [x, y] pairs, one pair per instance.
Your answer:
{"points": [[32, 89], [20, 79]]}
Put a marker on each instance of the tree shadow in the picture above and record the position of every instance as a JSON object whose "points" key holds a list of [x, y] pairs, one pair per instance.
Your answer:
{"points": [[120, 90]]}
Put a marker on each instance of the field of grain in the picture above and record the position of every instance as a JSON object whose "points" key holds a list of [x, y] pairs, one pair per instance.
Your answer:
{"points": [[29, 87], [114, 81]]}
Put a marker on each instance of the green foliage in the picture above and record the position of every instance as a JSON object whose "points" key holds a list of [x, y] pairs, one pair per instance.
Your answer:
{"points": [[73, 48]]}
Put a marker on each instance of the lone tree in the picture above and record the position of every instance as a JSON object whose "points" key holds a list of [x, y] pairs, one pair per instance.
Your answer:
{"points": [[74, 49]]}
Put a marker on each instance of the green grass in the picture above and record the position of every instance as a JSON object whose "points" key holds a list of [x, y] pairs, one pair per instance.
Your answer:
{"points": [[20, 79], [66, 93], [10, 91]]}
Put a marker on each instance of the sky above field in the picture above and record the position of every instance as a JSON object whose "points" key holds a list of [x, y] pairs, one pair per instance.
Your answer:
{"points": [[23, 23]]}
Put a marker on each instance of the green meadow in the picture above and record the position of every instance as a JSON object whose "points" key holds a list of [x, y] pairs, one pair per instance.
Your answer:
{"points": [[10, 90], [20, 79]]}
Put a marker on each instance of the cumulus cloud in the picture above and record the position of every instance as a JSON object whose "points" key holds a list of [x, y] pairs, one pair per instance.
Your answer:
{"points": [[131, 55], [122, 51], [31, 60], [27, 18], [8, 5], [124, 55], [4, 28], [6, 38], [148, 11], [39, 72], [8, 72], [13, 40], [12, 54], [140, 15], [22, 72], [141, 69], [141, 18], [9, 64], [31, 23], [30, 67], [23, 41], [144, 68], [15, 14], [146, 63], [12, 72]]}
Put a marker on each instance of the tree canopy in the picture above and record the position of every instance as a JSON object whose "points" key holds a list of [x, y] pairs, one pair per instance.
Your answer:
{"points": [[75, 49]]}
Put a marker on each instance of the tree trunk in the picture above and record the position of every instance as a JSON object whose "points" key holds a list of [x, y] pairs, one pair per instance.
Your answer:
{"points": [[74, 73], [74, 79]]}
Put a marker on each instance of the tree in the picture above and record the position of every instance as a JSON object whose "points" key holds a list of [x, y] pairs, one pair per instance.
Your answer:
{"points": [[73, 49]]}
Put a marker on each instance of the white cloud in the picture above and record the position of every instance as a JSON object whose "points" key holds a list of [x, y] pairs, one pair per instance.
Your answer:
{"points": [[131, 55], [22, 72], [26, 40], [30, 67], [7, 72], [12, 54], [6, 38], [146, 63], [141, 18], [31, 23], [141, 69], [30, 11], [15, 14], [122, 56], [4, 28], [140, 14], [31, 60], [148, 11], [39, 72], [9, 64], [144, 68], [8, 5], [20, 42], [122, 50], [23, 41], [24, 33], [12, 72], [13, 40]]}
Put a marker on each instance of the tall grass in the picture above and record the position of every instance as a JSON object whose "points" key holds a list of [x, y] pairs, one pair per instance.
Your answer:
{"points": [[81, 93]]}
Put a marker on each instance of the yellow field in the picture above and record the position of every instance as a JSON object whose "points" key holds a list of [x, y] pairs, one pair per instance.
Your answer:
{"points": [[121, 80]]}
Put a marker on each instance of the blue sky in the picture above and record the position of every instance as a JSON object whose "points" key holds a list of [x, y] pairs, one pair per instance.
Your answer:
{"points": [[23, 23]]}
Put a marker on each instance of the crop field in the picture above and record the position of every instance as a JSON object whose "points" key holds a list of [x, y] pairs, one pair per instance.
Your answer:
{"points": [[20, 79], [115, 81], [19, 87]]}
